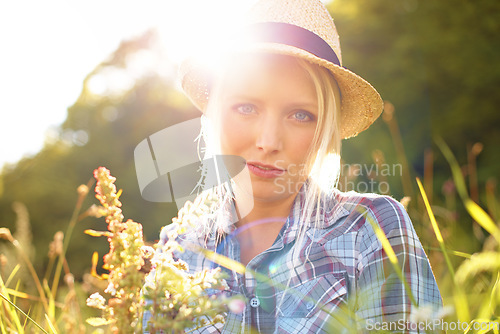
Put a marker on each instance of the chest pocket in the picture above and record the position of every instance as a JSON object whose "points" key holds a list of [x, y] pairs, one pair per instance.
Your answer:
{"points": [[304, 300]]}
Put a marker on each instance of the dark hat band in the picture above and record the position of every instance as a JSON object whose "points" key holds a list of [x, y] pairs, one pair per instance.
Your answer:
{"points": [[292, 35]]}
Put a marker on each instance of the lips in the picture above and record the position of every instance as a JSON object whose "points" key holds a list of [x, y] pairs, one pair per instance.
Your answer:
{"points": [[264, 170]]}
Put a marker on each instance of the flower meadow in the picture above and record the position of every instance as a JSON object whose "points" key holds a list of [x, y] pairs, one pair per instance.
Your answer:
{"points": [[138, 280]]}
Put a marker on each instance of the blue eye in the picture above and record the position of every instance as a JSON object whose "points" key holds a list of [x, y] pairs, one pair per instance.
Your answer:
{"points": [[303, 116], [245, 108]]}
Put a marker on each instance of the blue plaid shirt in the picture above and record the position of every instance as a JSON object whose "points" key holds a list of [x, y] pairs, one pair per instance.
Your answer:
{"points": [[337, 277]]}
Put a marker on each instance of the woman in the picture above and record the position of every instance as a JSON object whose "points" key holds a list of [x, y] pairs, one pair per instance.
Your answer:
{"points": [[283, 102]]}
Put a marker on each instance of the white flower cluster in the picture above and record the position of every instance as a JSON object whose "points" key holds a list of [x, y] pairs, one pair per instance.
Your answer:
{"points": [[96, 300]]}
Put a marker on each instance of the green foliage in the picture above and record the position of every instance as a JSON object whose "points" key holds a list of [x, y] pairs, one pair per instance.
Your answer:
{"points": [[436, 62]]}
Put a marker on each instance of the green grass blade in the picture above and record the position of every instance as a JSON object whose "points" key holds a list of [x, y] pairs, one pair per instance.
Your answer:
{"points": [[479, 215], [51, 325], [224, 261], [22, 312], [12, 313], [474, 210], [386, 245], [12, 274], [2, 327], [494, 295], [436, 229], [451, 251], [460, 300]]}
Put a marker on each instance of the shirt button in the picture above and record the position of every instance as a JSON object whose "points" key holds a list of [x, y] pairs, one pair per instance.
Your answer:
{"points": [[310, 306], [254, 302]]}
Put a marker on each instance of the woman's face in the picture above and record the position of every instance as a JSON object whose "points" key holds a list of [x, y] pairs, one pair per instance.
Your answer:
{"points": [[269, 115]]}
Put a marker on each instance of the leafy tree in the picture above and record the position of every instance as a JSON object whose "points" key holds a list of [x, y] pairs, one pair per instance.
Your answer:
{"points": [[436, 62]]}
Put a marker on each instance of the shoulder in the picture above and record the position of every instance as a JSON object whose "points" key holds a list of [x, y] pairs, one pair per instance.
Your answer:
{"points": [[382, 210], [361, 215], [370, 214]]}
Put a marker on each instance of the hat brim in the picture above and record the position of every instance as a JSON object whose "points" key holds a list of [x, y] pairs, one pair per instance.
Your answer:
{"points": [[361, 104]]}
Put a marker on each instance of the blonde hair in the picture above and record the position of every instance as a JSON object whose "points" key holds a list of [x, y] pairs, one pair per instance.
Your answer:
{"points": [[323, 161]]}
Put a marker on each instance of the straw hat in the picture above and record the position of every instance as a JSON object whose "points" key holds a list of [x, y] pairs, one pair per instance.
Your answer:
{"points": [[305, 29]]}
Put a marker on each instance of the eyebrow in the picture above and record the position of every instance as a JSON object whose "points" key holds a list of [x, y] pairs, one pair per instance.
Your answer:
{"points": [[305, 105], [296, 104], [231, 97]]}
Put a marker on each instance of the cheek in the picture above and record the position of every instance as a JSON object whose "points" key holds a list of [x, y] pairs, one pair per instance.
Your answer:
{"points": [[301, 144], [234, 136]]}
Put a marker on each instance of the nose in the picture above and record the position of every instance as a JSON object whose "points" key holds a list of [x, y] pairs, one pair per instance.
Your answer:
{"points": [[269, 135]]}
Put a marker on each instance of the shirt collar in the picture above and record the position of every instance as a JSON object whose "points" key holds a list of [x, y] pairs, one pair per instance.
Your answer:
{"points": [[330, 212]]}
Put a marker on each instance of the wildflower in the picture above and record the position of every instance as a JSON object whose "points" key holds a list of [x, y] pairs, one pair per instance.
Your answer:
{"points": [[3, 260], [96, 211], [69, 279], [179, 300], [5, 234], [421, 314], [219, 319], [405, 201], [388, 113], [477, 148], [82, 190], [96, 301], [111, 289], [114, 302], [147, 252], [124, 259], [448, 187], [98, 233], [445, 311], [56, 246]]}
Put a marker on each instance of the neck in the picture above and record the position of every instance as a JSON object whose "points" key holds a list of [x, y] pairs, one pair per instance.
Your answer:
{"points": [[259, 228], [278, 211]]}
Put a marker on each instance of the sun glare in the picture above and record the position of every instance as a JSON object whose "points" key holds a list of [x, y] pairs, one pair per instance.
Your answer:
{"points": [[199, 28]]}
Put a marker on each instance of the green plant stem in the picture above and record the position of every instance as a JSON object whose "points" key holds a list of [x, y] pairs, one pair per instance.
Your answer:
{"points": [[50, 265], [67, 237], [436, 229], [386, 245], [459, 298], [27, 316], [474, 210], [398, 145], [33, 274], [451, 251], [429, 173]]}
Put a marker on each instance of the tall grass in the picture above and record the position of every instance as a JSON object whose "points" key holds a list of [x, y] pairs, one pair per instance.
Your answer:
{"points": [[468, 278]]}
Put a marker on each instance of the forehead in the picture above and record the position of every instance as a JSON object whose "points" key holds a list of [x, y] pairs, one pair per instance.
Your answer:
{"points": [[261, 71], [242, 60]]}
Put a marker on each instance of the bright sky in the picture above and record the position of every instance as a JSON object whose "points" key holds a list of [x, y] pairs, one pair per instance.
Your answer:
{"points": [[48, 47]]}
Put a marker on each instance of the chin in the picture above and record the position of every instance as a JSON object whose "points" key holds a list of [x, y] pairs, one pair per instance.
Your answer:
{"points": [[270, 192]]}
